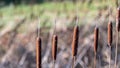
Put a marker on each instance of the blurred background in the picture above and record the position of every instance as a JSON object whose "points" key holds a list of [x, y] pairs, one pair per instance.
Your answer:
{"points": [[19, 20]]}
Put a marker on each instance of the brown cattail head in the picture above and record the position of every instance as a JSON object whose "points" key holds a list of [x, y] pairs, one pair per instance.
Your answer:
{"points": [[109, 33], [75, 41], [54, 46], [38, 52], [118, 19], [96, 35]]}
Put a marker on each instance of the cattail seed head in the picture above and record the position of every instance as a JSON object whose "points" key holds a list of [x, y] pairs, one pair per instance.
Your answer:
{"points": [[96, 35], [118, 19], [54, 46], [75, 41], [109, 33], [38, 52]]}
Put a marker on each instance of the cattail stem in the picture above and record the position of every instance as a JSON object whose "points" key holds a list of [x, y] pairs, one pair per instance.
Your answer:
{"points": [[117, 38], [38, 52], [110, 58], [53, 63], [96, 35], [95, 57], [73, 62], [54, 48], [116, 3], [99, 61]]}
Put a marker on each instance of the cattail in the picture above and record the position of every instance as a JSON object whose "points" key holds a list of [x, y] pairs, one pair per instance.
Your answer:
{"points": [[118, 20], [38, 52], [75, 41], [96, 34], [54, 46], [109, 33]]}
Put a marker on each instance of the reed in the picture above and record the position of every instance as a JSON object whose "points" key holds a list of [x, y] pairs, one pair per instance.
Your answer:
{"points": [[75, 43], [38, 52], [54, 48], [96, 35]]}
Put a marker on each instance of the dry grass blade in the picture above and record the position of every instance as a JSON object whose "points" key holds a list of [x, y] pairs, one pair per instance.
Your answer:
{"points": [[38, 52], [110, 33], [54, 47]]}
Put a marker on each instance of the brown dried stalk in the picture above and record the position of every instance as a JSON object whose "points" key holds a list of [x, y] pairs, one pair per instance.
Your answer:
{"points": [[38, 52], [96, 35], [75, 41], [110, 33], [54, 47]]}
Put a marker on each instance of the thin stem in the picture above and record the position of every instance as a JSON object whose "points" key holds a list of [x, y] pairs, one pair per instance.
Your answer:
{"points": [[99, 61], [38, 28], [53, 63], [116, 3], [95, 57], [54, 27], [109, 9], [76, 20], [76, 14], [110, 58], [73, 62], [117, 38]]}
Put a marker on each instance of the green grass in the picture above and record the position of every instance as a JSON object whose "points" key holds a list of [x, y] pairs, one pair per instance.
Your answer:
{"points": [[46, 11]]}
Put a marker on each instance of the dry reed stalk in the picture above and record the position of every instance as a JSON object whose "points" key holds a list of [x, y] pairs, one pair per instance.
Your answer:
{"points": [[117, 34], [38, 52], [96, 35], [54, 48], [75, 43]]}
